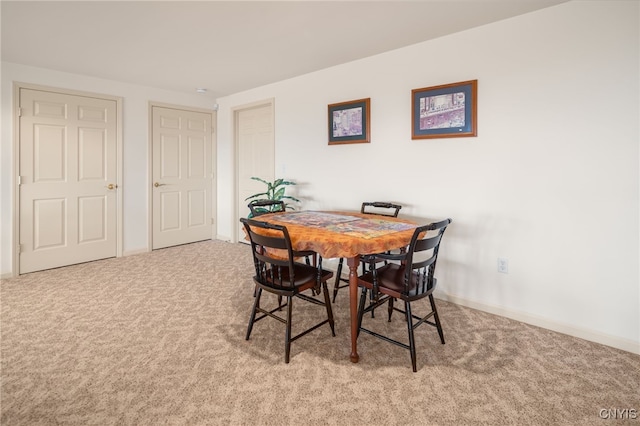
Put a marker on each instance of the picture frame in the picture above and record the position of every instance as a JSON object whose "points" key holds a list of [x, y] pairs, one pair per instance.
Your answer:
{"points": [[445, 111], [350, 122]]}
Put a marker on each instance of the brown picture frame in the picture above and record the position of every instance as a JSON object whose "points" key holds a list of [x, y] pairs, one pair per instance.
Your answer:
{"points": [[445, 111], [350, 122]]}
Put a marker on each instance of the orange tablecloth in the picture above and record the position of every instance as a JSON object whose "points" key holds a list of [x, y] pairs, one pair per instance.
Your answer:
{"points": [[343, 234]]}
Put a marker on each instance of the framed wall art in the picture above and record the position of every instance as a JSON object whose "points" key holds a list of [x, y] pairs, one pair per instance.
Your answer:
{"points": [[349, 122], [447, 111]]}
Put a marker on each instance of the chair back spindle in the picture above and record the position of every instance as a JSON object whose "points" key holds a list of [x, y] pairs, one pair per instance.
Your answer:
{"points": [[421, 257]]}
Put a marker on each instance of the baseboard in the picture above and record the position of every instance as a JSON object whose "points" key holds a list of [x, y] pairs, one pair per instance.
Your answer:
{"points": [[6, 276], [223, 238], [134, 252], [590, 335]]}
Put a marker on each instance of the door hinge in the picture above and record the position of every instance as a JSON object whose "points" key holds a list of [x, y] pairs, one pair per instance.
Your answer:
{"points": [[20, 248], [19, 112]]}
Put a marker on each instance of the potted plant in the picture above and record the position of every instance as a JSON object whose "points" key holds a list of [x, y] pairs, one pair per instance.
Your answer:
{"points": [[275, 191]]}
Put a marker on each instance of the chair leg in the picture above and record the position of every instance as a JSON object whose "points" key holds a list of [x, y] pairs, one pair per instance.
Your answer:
{"points": [[327, 304], [436, 318], [364, 271], [371, 299], [363, 299], [412, 343], [336, 285], [390, 307], [364, 267], [287, 336], [252, 318]]}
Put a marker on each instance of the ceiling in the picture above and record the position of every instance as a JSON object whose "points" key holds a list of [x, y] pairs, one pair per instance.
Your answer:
{"points": [[228, 46]]}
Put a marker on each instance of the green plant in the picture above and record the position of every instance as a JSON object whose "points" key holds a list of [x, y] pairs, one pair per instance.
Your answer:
{"points": [[275, 191]]}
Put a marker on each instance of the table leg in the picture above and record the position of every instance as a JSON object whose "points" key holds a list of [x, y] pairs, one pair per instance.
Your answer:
{"points": [[353, 263]]}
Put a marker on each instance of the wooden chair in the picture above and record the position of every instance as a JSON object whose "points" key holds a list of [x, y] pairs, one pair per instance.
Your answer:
{"points": [[284, 277], [410, 281], [260, 207], [368, 207]]}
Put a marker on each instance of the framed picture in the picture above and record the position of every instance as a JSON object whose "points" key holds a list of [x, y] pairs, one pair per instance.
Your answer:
{"points": [[349, 122], [447, 111]]}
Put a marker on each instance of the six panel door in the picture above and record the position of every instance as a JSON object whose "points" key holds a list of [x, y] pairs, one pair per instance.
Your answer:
{"points": [[182, 180], [68, 167]]}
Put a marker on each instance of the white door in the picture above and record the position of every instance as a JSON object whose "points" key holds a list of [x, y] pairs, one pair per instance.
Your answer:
{"points": [[181, 176], [68, 183], [256, 157]]}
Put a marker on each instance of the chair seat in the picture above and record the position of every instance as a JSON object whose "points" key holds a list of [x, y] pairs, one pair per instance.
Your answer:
{"points": [[304, 278], [391, 282]]}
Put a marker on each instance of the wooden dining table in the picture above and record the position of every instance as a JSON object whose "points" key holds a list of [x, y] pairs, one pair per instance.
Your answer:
{"points": [[335, 234]]}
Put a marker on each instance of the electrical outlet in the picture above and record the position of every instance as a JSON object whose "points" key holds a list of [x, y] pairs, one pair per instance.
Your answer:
{"points": [[503, 265]]}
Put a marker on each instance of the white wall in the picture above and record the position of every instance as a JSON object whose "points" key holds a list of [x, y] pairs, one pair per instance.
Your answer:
{"points": [[551, 182], [135, 147]]}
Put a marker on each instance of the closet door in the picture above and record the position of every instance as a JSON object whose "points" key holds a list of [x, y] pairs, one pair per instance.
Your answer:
{"points": [[182, 176], [68, 179]]}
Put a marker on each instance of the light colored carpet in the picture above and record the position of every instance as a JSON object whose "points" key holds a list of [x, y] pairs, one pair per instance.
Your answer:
{"points": [[158, 339]]}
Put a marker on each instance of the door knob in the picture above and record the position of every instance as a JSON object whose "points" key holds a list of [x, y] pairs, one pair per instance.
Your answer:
{"points": [[157, 184], [112, 186]]}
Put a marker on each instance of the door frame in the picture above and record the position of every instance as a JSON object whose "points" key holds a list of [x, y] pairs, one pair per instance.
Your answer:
{"points": [[15, 188], [235, 111], [214, 169]]}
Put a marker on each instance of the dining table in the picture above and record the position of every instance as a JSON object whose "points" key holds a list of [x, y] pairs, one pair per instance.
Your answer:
{"points": [[344, 234]]}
